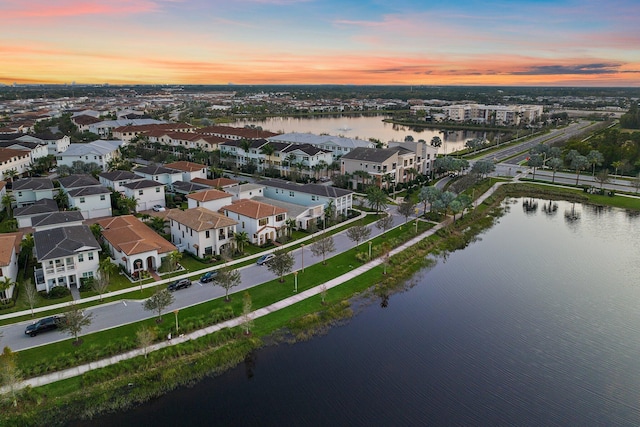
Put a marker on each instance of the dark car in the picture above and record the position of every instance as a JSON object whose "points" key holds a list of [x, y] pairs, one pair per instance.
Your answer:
{"points": [[208, 276], [43, 325], [179, 284]]}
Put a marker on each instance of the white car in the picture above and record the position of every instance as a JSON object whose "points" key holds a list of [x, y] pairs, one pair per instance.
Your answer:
{"points": [[158, 208]]}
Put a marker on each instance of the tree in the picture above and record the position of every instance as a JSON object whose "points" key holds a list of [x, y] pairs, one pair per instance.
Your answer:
{"points": [[406, 209], [174, 259], [358, 233], [268, 151], [10, 173], [26, 249], [100, 283], [595, 158], [483, 167], [158, 302], [10, 375], [330, 213], [323, 293], [127, 205], [62, 199], [555, 164], [107, 268], [322, 247], [376, 198], [384, 223], [30, 294], [535, 161], [635, 183], [428, 194], [602, 177], [240, 239], [157, 223], [145, 337], [227, 278], [247, 321], [281, 264], [436, 142], [578, 162], [75, 320], [617, 165], [5, 283], [455, 207], [7, 203]]}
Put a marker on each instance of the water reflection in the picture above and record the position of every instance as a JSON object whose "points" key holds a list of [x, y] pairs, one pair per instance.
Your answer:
{"points": [[550, 208]]}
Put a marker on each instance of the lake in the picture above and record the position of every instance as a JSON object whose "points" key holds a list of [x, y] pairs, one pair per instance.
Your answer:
{"points": [[362, 127], [535, 323]]}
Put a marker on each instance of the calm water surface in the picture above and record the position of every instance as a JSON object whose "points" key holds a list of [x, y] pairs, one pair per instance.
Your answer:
{"points": [[536, 323], [362, 127]]}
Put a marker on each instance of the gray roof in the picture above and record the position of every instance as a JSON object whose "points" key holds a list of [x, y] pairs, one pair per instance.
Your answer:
{"points": [[100, 147], [144, 183], [88, 191], [119, 175], [309, 138], [155, 170], [77, 181], [374, 155], [293, 210], [32, 184], [39, 207], [188, 187], [63, 241], [57, 218], [315, 189]]}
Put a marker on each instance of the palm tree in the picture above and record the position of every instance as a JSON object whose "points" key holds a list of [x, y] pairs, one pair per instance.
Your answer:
{"points": [[364, 175], [26, 248], [290, 224], [617, 165], [241, 238], [127, 204], [554, 163], [11, 173], [268, 151], [62, 199], [595, 159], [322, 165], [7, 202], [157, 223], [107, 268], [5, 284], [376, 198]]}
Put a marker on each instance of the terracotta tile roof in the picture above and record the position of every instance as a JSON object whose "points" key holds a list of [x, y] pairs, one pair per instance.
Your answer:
{"points": [[208, 195], [185, 166], [246, 133], [200, 218], [216, 183], [252, 209], [130, 235], [9, 242], [162, 127], [7, 154]]}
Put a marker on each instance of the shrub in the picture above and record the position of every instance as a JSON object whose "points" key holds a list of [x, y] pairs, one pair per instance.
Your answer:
{"points": [[56, 292]]}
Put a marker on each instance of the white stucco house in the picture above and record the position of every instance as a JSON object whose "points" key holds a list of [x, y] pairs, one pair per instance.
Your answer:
{"points": [[262, 222], [117, 179], [9, 249], [190, 170], [100, 152], [146, 192], [27, 191], [160, 174], [210, 199], [201, 231], [17, 161], [92, 202]]}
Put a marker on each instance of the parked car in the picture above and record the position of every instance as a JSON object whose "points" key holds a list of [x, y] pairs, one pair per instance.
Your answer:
{"points": [[265, 259], [44, 325], [179, 284], [158, 208], [208, 276]]}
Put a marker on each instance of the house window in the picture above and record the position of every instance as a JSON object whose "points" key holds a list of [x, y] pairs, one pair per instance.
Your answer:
{"points": [[208, 250], [81, 199], [19, 193], [90, 256], [263, 221], [102, 197], [87, 274], [291, 193], [157, 189], [280, 217], [207, 234], [140, 192], [81, 257]]}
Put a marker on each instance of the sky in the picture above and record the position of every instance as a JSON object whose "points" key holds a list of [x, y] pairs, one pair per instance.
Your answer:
{"points": [[368, 42]]}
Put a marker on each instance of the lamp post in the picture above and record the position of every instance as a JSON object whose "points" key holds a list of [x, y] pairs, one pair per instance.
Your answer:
{"points": [[416, 225], [176, 313], [302, 255], [295, 281], [370, 243]]}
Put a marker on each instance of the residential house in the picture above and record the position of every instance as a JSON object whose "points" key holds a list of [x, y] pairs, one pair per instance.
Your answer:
{"points": [[147, 193], [190, 170], [185, 140], [56, 219], [159, 174], [218, 183], [104, 128], [100, 152], [210, 199], [236, 133], [338, 199], [201, 231], [3, 192], [305, 217], [25, 214], [116, 179], [133, 245], [180, 187], [9, 249], [262, 222], [337, 145], [379, 166], [66, 254], [246, 191], [425, 154], [27, 191], [14, 163], [55, 144], [129, 132], [35, 150], [92, 201]]}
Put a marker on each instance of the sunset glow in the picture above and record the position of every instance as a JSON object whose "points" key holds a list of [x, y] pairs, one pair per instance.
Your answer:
{"points": [[534, 42]]}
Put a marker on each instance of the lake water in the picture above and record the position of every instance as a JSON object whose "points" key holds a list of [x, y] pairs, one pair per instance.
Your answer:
{"points": [[362, 127], [536, 323]]}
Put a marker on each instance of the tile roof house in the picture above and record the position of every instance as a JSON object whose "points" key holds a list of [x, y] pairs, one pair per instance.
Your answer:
{"points": [[219, 183], [211, 199], [201, 231], [133, 245], [14, 162], [66, 254], [9, 249], [262, 222], [190, 170]]}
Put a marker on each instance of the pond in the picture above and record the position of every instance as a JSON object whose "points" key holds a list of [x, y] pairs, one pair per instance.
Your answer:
{"points": [[535, 323]]}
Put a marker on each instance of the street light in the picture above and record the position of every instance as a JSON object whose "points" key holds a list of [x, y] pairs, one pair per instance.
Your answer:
{"points": [[302, 255], [295, 278], [176, 313], [370, 243], [416, 226]]}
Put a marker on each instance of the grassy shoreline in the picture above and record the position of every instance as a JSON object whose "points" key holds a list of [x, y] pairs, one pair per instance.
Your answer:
{"points": [[138, 380]]}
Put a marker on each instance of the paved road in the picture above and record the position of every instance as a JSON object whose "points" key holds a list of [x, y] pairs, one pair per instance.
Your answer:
{"points": [[124, 312]]}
